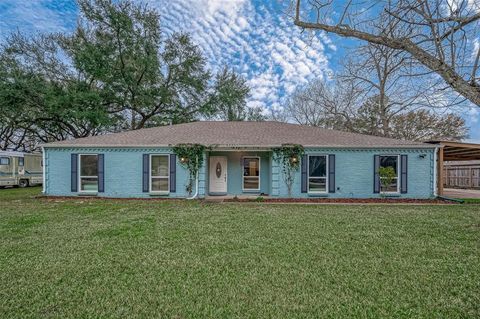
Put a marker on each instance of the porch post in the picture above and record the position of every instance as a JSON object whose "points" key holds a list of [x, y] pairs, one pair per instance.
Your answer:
{"points": [[440, 171]]}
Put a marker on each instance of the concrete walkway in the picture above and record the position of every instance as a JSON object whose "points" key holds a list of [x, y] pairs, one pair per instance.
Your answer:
{"points": [[461, 193]]}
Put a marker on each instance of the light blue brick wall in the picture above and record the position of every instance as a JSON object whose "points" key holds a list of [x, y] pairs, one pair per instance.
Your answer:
{"points": [[354, 172], [123, 171]]}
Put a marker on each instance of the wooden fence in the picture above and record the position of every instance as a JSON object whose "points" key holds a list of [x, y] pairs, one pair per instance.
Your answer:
{"points": [[462, 177]]}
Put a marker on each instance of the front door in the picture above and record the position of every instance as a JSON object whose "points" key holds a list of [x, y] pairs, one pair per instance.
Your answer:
{"points": [[218, 175]]}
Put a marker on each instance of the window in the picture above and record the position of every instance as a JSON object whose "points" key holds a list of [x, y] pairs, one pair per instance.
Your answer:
{"points": [[21, 161], [317, 173], [251, 173], [88, 173], [390, 161], [4, 161], [159, 173]]}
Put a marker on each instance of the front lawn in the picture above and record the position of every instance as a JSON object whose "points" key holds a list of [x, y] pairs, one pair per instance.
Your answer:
{"points": [[178, 259]]}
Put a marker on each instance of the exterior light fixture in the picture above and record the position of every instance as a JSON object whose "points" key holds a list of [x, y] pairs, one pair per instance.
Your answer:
{"points": [[293, 159], [183, 159]]}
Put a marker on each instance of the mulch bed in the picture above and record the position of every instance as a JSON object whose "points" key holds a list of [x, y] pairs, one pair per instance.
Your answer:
{"points": [[346, 200], [267, 200]]}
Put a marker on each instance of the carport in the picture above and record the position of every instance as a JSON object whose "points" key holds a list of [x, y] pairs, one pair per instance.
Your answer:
{"points": [[453, 151]]}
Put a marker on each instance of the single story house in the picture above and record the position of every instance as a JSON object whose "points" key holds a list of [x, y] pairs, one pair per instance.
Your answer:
{"points": [[239, 161]]}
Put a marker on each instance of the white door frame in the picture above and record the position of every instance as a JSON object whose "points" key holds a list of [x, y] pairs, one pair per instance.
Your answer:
{"points": [[210, 172]]}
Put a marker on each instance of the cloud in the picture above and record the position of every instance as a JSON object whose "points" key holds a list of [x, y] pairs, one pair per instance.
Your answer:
{"points": [[36, 16], [257, 40]]}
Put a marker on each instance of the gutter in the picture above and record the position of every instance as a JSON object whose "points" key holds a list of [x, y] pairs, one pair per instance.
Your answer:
{"points": [[196, 186], [242, 147], [461, 201], [196, 189], [44, 168], [435, 172]]}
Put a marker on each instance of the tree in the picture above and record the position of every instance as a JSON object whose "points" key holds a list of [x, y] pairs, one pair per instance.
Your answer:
{"points": [[230, 99], [231, 93], [423, 125], [372, 93], [156, 81], [382, 76], [116, 71], [319, 104], [51, 101], [367, 117], [255, 113], [438, 35]]}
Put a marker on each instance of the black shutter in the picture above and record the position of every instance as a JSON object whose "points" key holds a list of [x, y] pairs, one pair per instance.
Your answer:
{"points": [[101, 173], [173, 173], [146, 173], [376, 174], [304, 173], [403, 174], [74, 173], [331, 173]]}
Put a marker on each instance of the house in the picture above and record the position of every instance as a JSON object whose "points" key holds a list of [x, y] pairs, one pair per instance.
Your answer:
{"points": [[240, 161]]}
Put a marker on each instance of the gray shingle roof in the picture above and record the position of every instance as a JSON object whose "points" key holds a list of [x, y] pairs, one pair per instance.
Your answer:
{"points": [[238, 134]]}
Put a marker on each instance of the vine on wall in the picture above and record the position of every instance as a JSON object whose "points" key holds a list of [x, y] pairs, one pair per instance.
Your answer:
{"points": [[191, 157], [289, 156]]}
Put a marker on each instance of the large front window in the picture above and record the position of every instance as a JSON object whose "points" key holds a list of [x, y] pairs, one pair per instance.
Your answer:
{"points": [[159, 173], [317, 173], [89, 173], [389, 161], [251, 173]]}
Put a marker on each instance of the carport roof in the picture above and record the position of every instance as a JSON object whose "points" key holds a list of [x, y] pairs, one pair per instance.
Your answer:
{"points": [[459, 151]]}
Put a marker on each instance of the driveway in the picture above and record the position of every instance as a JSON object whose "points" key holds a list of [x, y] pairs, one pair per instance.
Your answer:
{"points": [[461, 193]]}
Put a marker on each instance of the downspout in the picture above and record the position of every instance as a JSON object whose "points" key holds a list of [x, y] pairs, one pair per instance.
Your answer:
{"points": [[435, 172], [196, 185], [44, 184]]}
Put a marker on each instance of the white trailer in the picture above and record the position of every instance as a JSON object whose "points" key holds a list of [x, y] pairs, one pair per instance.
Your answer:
{"points": [[20, 169]]}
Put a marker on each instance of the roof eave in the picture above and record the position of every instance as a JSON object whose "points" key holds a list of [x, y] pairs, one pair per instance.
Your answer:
{"points": [[413, 146]]}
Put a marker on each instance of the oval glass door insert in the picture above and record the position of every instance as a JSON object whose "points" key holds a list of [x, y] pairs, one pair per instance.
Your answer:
{"points": [[219, 170]]}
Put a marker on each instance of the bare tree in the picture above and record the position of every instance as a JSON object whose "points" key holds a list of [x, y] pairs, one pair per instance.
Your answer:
{"points": [[383, 77], [424, 125], [440, 35], [320, 104], [375, 94]]}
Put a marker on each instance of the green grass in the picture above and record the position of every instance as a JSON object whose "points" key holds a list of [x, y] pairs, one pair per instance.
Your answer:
{"points": [[471, 200], [178, 259]]}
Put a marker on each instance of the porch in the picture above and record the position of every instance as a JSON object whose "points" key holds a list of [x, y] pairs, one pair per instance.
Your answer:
{"points": [[241, 173]]}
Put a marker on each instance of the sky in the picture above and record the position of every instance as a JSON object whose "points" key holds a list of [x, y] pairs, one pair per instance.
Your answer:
{"points": [[255, 38]]}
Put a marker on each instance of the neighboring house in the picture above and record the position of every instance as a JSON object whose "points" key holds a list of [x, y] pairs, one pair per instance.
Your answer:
{"points": [[462, 174], [141, 163]]}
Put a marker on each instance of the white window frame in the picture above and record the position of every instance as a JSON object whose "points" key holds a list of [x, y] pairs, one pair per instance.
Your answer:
{"points": [[80, 174], [150, 174], [398, 172], [314, 177], [243, 176], [8, 160]]}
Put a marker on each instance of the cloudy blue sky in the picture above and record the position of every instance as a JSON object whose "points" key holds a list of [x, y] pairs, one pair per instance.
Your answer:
{"points": [[256, 38]]}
